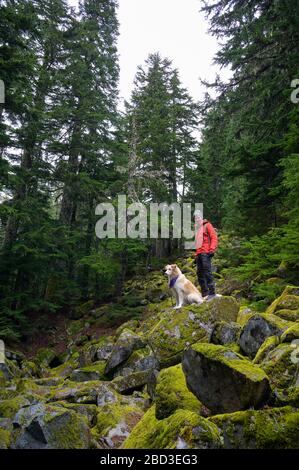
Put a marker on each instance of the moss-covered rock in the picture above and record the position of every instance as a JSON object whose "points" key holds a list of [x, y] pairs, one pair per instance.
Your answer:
{"points": [[129, 383], [276, 428], [244, 314], [139, 361], [172, 393], [225, 333], [291, 334], [184, 429], [268, 345], [281, 365], [5, 437], [223, 380], [194, 323], [8, 408], [127, 342], [93, 372], [289, 300], [257, 329], [76, 392], [115, 421], [50, 427]]}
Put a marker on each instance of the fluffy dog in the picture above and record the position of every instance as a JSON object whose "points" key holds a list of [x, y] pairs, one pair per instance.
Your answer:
{"points": [[185, 292]]}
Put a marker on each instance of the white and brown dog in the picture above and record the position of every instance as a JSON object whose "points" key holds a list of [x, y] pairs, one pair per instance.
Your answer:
{"points": [[185, 292]]}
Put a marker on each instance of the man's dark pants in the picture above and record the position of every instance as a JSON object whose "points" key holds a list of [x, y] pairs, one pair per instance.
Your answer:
{"points": [[204, 273]]}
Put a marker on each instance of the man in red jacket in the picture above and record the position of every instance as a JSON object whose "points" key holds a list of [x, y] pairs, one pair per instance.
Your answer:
{"points": [[206, 244]]}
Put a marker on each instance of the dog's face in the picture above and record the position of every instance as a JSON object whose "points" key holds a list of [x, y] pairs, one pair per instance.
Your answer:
{"points": [[172, 270]]}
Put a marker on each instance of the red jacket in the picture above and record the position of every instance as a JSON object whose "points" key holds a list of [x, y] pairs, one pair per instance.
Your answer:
{"points": [[206, 238]]}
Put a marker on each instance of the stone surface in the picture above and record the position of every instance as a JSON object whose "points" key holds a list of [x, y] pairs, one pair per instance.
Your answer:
{"points": [[127, 342], [223, 380]]}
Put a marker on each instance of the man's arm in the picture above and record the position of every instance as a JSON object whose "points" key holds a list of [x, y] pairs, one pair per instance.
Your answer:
{"points": [[213, 237]]}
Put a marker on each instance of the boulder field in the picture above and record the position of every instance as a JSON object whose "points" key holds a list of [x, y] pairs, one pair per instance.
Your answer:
{"points": [[210, 376]]}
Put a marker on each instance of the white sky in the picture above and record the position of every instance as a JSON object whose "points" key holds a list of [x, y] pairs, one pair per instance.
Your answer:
{"points": [[177, 30]]}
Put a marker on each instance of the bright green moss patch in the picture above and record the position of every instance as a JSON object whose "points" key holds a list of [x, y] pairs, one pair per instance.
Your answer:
{"points": [[183, 429], [4, 438], [267, 346], [8, 408], [276, 428], [172, 393]]}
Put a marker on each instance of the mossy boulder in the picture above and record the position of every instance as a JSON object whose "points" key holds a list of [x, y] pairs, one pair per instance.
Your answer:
{"points": [[244, 314], [184, 429], [281, 365], [9, 407], [268, 345], [139, 361], [225, 333], [177, 330], [93, 372], [127, 342], [5, 437], [291, 334], [129, 383], [276, 428], [171, 393], [223, 380], [257, 329], [76, 392], [289, 300], [115, 421], [50, 427]]}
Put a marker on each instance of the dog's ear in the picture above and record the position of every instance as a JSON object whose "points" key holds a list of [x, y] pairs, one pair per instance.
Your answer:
{"points": [[174, 266]]}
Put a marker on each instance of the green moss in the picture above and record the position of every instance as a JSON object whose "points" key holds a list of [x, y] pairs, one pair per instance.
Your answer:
{"points": [[287, 314], [2, 379], [5, 437], [231, 359], [289, 299], [131, 382], [276, 428], [280, 366], [172, 393], [184, 427], [269, 344], [290, 334], [8, 408], [245, 313]]}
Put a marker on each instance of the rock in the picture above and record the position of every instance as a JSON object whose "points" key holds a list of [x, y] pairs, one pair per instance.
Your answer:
{"points": [[289, 300], [115, 421], [287, 314], [257, 329], [291, 334], [223, 380], [89, 411], [152, 383], [129, 383], [106, 394], [50, 427], [268, 345], [281, 365], [9, 407], [5, 437], [139, 361], [172, 393], [127, 342], [276, 428], [177, 330], [81, 392], [225, 333], [93, 372], [244, 314], [184, 429], [46, 357]]}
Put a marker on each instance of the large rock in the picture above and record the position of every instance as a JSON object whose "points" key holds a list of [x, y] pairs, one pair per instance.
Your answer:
{"points": [[177, 330], [225, 333], [93, 372], [139, 361], [129, 383], [276, 428], [223, 380], [172, 393], [287, 302], [50, 427], [182, 430], [257, 329], [281, 366], [127, 342]]}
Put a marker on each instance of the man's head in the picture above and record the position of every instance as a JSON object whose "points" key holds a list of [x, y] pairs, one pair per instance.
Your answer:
{"points": [[198, 215]]}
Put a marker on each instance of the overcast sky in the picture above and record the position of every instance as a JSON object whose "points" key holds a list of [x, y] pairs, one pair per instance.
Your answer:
{"points": [[176, 29]]}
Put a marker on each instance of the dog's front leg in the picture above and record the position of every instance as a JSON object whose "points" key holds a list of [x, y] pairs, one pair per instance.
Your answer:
{"points": [[180, 301]]}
